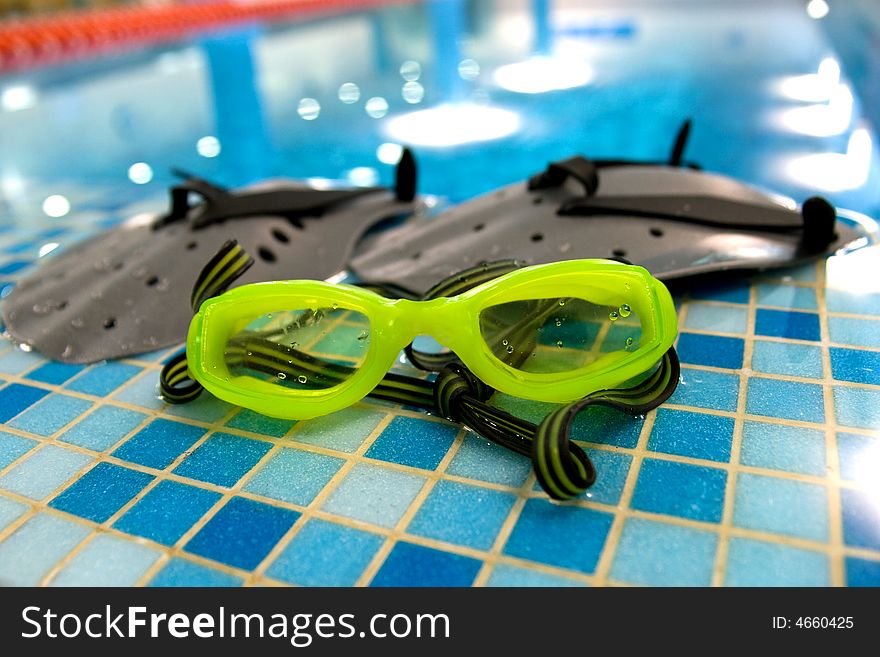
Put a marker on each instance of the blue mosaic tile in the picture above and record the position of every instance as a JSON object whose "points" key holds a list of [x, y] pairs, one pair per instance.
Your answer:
{"points": [[477, 458], [101, 492], [43, 471], [842, 301], [248, 420], [167, 512], [611, 471], [729, 292], [696, 435], [294, 476], [606, 426], [462, 514], [50, 414], [242, 533], [862, 572], [859, 456], [103, 379], [17, 397], [787, 296], [223, 459], [107, 561], [857, 407], [717, 319], [16, 361], [325, 554], [343, 431], [715, 390], [159, 443], [206, 408], [861, 519], [680, 489], [564, 536], [12, 447], [414, 565], [857, 332], [781, 506], [143, 392], [374, 494], [711, 350], [785, 399], [31, 551], [855, 365], [103, 428], [782, 447], [10, 510], [13, 266], [413, 442], [787, 358], [55, 373], [180, 572], [658, 554], [759, 563], [787, 324], [514, 576]]}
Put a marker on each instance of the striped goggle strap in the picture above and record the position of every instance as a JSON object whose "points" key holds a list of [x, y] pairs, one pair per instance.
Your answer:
{"points": [[230, 262], [562, 467]]}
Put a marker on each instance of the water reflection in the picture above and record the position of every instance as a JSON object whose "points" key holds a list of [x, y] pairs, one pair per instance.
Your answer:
{"points": [[453, 125], [835, 172], [542, 74]]}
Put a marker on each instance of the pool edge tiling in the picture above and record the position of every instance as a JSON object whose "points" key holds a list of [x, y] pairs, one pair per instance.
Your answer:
{"points": [[714, 495]]}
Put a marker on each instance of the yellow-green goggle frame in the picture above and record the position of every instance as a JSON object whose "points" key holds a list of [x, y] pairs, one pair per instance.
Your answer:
{"points": [[453, 321]]}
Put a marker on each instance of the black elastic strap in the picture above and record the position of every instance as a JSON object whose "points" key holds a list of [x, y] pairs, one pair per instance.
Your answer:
{"points": [[578, 167], [218, 204]]}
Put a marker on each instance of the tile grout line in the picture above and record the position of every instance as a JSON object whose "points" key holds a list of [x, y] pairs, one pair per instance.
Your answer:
{"points": [[720, 564], [415, 505], [835, 513], [328, 489], [106, 524], [506, 529]]}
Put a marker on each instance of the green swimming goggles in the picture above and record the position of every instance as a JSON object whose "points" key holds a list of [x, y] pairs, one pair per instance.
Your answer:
{"points": [[578, 332], [551, 333]]}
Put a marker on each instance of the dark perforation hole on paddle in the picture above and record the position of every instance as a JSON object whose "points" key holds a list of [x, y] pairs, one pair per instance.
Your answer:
{"points": [[479, 227], [656, 232], [110, 323], [537, 237], [152, 281], [280, 236], [191, 246], [266, 255], [619, 253]]}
